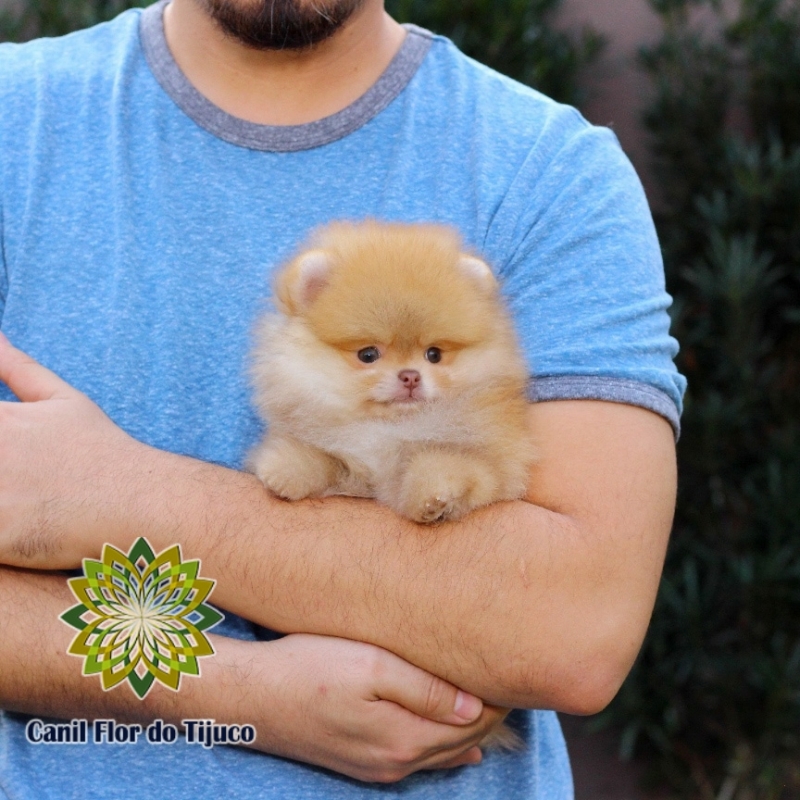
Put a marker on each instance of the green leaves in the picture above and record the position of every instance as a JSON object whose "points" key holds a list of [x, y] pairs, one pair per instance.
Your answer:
{"points": [[716, 692]]}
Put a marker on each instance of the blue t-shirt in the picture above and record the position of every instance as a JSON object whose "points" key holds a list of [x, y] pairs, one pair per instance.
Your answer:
{"points": [[139, 225]]}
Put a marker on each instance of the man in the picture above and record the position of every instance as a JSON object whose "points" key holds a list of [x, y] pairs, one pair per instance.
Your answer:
{"points": [[153, 172]]}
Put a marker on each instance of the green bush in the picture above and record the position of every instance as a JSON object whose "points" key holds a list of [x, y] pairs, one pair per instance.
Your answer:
{"points": [[716, 691]]}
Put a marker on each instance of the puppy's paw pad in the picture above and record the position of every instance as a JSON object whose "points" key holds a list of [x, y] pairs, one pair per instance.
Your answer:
{"points": [[434, 509]]}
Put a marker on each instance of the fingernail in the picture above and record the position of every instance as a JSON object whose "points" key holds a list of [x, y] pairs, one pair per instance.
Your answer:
{"points": [[468, 706]]}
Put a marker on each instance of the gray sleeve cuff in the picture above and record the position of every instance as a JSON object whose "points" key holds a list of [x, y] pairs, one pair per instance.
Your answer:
{"points": [[614, 390]]}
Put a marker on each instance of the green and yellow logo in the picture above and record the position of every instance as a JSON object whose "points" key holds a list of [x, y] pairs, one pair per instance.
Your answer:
{"points": [[141, 617]]}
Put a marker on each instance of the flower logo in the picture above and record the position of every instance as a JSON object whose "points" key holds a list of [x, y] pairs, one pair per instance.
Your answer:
{"points": [[141, 617]]}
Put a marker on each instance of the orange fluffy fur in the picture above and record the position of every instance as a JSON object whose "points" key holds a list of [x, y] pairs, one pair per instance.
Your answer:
{"points": [[337, 425]]}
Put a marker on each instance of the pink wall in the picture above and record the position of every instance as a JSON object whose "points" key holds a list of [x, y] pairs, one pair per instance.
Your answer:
{"points": [[618, 87]]}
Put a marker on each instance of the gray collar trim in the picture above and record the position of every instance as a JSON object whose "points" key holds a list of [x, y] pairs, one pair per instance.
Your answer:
{"points": [[278, 138]]}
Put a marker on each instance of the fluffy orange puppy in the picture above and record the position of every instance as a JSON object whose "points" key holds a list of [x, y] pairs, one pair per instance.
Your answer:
{"points": [[391, 371]]}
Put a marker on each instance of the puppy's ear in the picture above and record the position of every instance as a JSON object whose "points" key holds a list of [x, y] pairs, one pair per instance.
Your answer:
{"points": [[300, 283], [479, 271]]}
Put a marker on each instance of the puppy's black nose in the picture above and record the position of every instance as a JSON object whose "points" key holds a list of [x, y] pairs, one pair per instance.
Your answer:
{"points": [[410, 378]]}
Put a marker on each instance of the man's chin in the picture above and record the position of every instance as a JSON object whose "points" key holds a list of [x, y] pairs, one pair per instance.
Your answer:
{"points": [[280, 24]]}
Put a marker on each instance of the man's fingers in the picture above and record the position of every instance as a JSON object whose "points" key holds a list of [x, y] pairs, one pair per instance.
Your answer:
{"points": [[28, 379], [426, 695]]}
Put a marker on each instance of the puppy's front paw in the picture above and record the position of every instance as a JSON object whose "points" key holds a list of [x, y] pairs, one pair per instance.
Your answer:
{"points": [[442, 485], [435, 509], [292, 470], [435, 504]]}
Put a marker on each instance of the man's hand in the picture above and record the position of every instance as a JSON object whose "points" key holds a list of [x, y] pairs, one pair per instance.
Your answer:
{"points": [[62, 463], [351, 707], [356, 709]]}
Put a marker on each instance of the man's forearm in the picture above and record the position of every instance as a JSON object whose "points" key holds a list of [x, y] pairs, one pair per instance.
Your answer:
{"points": [[522, 604], [451, 599]]}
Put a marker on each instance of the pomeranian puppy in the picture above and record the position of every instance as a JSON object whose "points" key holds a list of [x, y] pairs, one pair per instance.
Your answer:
{"points": [[391, 371]]}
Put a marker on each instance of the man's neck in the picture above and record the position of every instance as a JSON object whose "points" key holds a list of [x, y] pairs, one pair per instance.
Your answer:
{"points": [[282, 87]]}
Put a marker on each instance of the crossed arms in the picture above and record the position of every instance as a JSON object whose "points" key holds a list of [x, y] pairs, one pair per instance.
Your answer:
{"points": [[541, 603]]}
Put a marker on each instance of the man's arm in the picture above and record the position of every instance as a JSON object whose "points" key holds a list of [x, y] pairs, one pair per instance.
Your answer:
{"points": [[540, 603], [348, 706]]}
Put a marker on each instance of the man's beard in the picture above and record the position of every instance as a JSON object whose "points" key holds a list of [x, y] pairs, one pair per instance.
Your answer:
{"points": [[280, 24]]}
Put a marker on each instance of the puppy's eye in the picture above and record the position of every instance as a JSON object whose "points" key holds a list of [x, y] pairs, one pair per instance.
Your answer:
{"points": [[433, 354], [369, 354]]}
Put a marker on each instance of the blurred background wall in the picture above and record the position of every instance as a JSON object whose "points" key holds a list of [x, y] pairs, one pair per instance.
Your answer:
{"points": [[617, 89]]}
